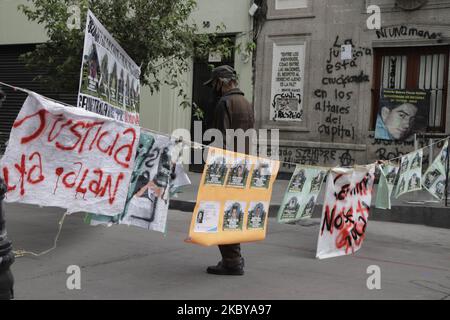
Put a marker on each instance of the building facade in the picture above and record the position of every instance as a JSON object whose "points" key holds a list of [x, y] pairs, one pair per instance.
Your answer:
{"points": [[327, 69], [160, 111]]}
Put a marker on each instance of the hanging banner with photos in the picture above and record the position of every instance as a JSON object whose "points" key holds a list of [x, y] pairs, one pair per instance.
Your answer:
{"points": [[69, 158], [388, 174], [345, 214], [154, 176], [434, 179], [410, 174], [233, 199], [288, 68], [109, 81], [301, 195]]}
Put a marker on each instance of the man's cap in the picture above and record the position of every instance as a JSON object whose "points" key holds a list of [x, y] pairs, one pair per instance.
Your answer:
{"points": [[224, 72]]}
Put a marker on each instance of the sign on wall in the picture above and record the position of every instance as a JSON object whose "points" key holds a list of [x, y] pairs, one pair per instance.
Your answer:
{"points": [[109, 81], [288, 67], [401, 113], [69, 158]]}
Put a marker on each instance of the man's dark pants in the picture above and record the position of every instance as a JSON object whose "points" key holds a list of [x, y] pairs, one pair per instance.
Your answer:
{"points": [[231, 255]]}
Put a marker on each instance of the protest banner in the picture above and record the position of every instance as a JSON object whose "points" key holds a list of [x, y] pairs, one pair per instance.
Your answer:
{"points": [[402, 113], [154, 175], [69, 158], [109, 81], [345, 211], [301, 194], [388, 175], [410, 174], [434, 179], [233, 199]]}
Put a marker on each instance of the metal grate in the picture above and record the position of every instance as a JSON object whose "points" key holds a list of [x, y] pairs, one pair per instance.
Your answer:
{"points": [[393, 70], [431, 77]]}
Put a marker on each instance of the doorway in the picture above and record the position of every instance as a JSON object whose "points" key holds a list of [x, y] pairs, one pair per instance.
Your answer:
{"points": [[203, 97]]}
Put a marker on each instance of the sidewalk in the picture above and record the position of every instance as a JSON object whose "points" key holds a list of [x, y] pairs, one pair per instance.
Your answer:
{"points": [[413, 208], [132, 263]]}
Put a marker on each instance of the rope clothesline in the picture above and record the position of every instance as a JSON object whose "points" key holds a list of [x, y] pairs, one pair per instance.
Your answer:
{"points": [[188, 143], [198, 145]]}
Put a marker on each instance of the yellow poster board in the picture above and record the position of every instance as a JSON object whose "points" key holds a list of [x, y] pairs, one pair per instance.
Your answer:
{"points": [[233, 199]]}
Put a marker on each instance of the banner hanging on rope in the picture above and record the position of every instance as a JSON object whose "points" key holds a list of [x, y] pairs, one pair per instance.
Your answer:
{"points": [[434, 179], [301, 194], [345, 211], [154, 176], [233, 199], [388, 174], [109, 81], [410, 174], [68, 158]]}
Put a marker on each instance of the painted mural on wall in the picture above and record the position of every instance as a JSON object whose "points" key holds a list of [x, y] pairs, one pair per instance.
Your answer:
{"points": [[287, 82]]}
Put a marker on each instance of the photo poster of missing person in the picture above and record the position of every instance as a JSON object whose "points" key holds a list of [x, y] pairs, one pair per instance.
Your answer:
{"points": [[230, 210], [386, 183], [301, 195], [434, 179], [410, 173], [109, 80], [401, 113], [150, 187]]}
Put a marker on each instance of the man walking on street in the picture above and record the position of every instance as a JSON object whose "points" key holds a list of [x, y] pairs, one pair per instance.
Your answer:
{"points": [[232, 111]]}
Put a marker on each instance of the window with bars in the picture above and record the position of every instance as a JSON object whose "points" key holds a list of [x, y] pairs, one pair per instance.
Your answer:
{"points": [[410, 68]]}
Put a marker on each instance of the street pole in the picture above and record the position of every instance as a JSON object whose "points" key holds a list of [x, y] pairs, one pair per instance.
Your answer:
{"points": [[6, 253]]}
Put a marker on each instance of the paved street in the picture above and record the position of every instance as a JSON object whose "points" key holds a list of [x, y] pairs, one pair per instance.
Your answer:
{"points": [[131, 263]]}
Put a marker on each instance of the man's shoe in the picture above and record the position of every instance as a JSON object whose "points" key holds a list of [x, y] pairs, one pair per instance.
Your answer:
{"points": [[220, 269]]}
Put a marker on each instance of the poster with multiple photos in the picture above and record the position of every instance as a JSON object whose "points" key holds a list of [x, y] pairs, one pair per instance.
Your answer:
{"points": [[110, 79], [410, 173], [301, 194], [233, 198], [434, 179]]}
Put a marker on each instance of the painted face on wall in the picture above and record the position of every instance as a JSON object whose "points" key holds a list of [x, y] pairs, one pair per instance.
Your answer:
{"points": [[400, 120]]}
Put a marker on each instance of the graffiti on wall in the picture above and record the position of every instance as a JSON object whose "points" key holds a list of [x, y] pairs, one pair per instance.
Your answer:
{"points": [[313, 156], [335, 99]]}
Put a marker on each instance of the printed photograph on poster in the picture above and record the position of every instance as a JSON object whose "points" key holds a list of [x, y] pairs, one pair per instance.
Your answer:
{"points": [[288, 67], [297, 181], [386, 183], [401, 113], [216, 169], [239, 171], [257, 214], [262, 172], [109, 80], [434, 179], [233, 215], [207, 220], [410, 173], [301, 194]]}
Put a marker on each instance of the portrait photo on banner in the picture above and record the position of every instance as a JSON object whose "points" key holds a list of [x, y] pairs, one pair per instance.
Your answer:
{"points": [[401, 113]]}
